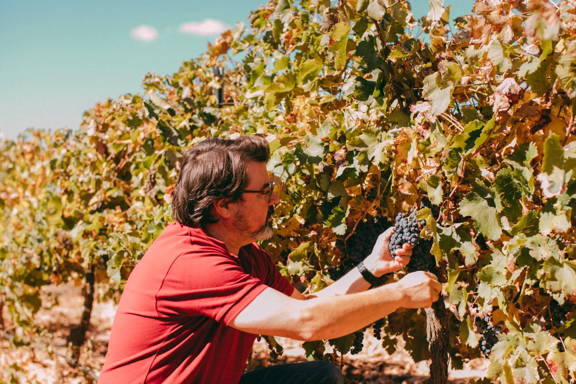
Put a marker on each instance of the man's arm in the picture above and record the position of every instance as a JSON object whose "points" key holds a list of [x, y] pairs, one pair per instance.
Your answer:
{"points": [[273, 313], [379, 262]]}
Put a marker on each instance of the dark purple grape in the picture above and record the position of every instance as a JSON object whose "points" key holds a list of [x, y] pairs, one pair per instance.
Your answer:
{"points": [[489, 334]]}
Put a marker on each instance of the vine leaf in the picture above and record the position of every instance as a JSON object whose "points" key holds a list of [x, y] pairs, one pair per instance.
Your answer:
{"points": [[550, 222], [375, 10], [484, 215], [438, 96], [560, 278], [474, 135], [340, 47], [553, 154]]}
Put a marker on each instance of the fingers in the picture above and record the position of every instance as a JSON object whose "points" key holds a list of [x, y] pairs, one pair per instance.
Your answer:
{"points": [[388, 233], [402, 259], [406, 250]]}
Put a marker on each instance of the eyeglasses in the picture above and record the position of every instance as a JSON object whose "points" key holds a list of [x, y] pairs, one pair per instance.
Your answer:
{"points": [[272, 187]]}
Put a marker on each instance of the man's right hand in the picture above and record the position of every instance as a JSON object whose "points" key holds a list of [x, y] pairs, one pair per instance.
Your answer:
{"points": [[419, 289]]}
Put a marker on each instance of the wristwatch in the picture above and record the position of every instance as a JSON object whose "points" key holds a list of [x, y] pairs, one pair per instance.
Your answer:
{"points": [[367, 275]]}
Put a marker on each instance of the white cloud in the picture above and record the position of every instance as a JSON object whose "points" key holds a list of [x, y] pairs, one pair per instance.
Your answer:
{"points": [[204, 28], [144, 33]]}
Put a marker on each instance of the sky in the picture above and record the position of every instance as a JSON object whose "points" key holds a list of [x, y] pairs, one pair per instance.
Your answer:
{"points": [[59, 58]]}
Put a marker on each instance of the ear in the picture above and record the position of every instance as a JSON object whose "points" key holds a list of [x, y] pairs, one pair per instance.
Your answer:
{"points": [[223, 208]]}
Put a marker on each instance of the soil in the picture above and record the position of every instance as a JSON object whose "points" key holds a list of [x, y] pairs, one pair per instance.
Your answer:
{"points": [[48, 360]]}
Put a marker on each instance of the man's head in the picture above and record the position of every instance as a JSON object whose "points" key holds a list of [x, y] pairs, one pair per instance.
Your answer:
{"points": [[219, 172]]}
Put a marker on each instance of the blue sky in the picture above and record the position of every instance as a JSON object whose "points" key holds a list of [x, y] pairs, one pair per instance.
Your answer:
{"points": [[59, 58]]}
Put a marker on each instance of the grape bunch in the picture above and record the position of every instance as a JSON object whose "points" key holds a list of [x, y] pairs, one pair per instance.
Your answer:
{"points": [[358, 342], [360, 245], [489, 334], [558, 314], [406, 230], [377, 326]]}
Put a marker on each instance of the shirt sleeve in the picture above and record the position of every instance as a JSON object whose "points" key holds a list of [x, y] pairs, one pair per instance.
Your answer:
{"points": [[210, 284]]}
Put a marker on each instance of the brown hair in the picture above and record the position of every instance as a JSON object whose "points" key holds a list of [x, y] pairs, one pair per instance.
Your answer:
{"points": [[211, 170]]}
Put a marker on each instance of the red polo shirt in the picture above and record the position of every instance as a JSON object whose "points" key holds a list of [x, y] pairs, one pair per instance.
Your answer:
{"points": [[172, 323]]}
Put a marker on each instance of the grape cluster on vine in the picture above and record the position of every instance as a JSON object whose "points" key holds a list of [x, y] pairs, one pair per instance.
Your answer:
{"points": [[407, 230], [489, 333], [377, 326], [358, 343], [360, 245], [558, 313]]}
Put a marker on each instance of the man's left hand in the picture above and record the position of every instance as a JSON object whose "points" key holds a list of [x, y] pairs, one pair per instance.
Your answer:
{"points": [[381, 261]]}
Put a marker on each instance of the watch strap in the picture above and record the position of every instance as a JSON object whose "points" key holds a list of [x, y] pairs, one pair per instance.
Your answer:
{"points": [[367, 275]]}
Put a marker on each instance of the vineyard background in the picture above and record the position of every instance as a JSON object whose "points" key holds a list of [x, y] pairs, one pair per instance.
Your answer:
{"points": [[369, 112]]}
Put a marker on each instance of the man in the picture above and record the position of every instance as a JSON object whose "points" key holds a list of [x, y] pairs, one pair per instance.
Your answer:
{"points": [[194, 304]]}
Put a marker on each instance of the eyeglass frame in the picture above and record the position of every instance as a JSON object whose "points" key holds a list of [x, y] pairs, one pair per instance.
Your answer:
{"points": [[271, 184]]}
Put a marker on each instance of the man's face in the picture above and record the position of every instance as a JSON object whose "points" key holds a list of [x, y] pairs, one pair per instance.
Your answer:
{"points": [[254, 212]]}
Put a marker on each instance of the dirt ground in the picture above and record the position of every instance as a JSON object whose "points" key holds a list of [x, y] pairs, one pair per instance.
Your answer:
{"points": [[48, 361]]}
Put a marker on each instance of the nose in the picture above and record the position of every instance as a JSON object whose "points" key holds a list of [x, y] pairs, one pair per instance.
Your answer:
{"points": [[274, 198]]}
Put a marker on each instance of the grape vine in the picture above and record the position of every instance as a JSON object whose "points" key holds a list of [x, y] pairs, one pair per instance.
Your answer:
{"points": [[364, 120]]}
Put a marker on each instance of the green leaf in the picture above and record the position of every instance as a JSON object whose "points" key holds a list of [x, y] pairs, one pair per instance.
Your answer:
{"points": [[340, 47], [496, 52], [542, 342], [474, 135], [528, 224], [436, 10], [336, 221], [367, 49], [281, 64], [510, 192], [300, 252], [397, 53], [451, 287], [525, 154], [559, 278], [553, 183], [484, 215], [540, 80], [453, 72], [553, 154], [467, 333], [313, 146], [309, 70], [552, 222], [439, 97], [375, 10], [492, 275], [282, 6], [469, 252], [282, 84], [529, 67], [433, 187], [363, 88]]}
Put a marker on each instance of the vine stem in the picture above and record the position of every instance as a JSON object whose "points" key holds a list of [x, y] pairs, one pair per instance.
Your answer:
{"points": [[376, 199], [77, 335], [438, 341], [548, 366], [2, 324], [456, 124]]}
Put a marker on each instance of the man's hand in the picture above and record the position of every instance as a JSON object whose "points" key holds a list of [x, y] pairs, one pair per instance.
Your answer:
{"points": [[381, 261], [419, 289]]}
